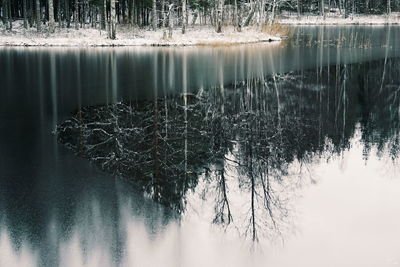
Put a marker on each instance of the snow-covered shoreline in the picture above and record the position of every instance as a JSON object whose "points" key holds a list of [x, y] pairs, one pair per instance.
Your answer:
{"points": [[393, 19], [89, 37], [195, 36]]}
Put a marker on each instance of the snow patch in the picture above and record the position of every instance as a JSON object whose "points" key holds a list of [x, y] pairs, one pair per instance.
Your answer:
{"points": [[128, 36]]}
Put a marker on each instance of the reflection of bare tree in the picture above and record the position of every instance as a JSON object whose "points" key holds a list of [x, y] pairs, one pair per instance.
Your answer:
{"points": [[256, 136], [223, 213]]}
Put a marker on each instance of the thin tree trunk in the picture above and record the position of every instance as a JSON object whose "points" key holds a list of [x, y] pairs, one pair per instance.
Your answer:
{"points": [[184, 16], [30, 8], [154, 13], [103, 17], [67, 14], [9, 15], [51, 16], [25, 15], [219, 15], [163, 19], [170, 20], [298, 9], [112, 20], [38, 22], [133, 20], [262, 12], [59, 19], [322, 8], [239, 20], [273, 12], [5, 13], [76, 13], [236, 19]]}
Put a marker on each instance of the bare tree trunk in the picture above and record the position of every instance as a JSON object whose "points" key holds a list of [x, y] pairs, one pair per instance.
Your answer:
{"points": [[38, 22], [154, 20], [51, 16], [298, 9], [25, 15], [239, 20], [389, 9], [260, 12], [133, 12], [9, 15], [112, 20], [59, 14], [163, 19], [184, 16], [76, 13], [82, 13], [322, 8], [346, 8], [67, 15], [273, 12], [170, 20], [236, 19], [85, 12], [219, 15], [30, 8], [5, 13], [103, 15]]}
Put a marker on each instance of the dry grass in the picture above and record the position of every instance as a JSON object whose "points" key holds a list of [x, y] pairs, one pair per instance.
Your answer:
{"points": [[275, 29]]}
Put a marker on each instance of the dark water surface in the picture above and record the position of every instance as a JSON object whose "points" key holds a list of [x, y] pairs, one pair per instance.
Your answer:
{"points": [[301, 139]]}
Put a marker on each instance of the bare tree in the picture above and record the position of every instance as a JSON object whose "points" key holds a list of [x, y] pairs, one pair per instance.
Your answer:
{"points": [[170, 20], [76, 15], [322, 8], [51, 16], [220, 10], [298, 9], [38, 16], [113, 20], [25, 14], [184, 16], [154, 15], [5, 14], [67, 13]]}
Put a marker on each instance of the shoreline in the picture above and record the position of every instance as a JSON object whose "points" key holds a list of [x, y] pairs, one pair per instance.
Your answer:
{"points": [[129, 37], [337, 20], [195, 36], [145, 44]]}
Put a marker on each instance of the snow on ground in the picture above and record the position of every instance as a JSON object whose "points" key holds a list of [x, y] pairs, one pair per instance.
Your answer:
{"points": [[337, 19], [128, 36]]}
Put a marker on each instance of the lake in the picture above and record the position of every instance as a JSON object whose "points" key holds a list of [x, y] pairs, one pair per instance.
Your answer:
{"points": [[274, 154]]}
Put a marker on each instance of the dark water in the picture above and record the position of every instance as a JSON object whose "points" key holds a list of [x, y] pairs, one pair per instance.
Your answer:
{"points": [[310, 136]]}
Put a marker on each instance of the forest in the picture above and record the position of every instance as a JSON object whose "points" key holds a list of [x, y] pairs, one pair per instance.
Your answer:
{"points": [[47, 15]]}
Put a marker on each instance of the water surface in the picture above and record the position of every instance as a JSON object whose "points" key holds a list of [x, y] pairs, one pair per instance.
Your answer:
{"points": [[325, 106]]}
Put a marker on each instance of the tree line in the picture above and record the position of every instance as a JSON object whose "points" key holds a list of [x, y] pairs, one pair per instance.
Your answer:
{"points": [[167, 14]]}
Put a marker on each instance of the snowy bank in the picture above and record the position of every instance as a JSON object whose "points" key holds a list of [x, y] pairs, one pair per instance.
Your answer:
{"points": [[336, 19], [127, 36]]}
